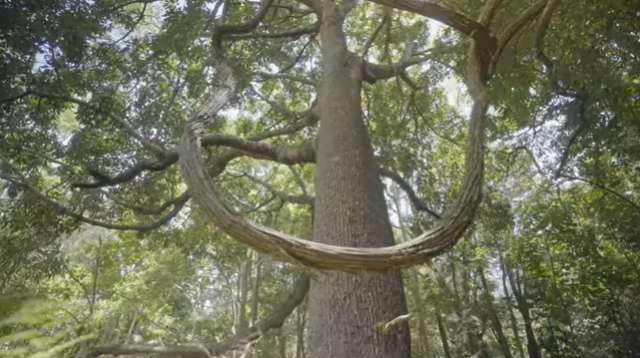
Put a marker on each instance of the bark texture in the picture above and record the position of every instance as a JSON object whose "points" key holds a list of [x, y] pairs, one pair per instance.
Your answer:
{"points": [[350, 210], [321, 255]]}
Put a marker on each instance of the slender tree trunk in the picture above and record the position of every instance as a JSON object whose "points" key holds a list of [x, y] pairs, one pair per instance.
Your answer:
{"points": [[423, 344], [350, 210], [475, 332], [443, 335], [512, 316], [495, 320], [523, 307], [243, 299], [300, 325], [282, 343], [255, 298]]}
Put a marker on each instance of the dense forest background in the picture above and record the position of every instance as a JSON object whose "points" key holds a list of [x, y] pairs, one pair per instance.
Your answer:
{"points": [[99, 248]]}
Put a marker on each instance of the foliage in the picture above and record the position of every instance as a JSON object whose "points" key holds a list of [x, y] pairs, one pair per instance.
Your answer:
{"points": [[555, 248]]}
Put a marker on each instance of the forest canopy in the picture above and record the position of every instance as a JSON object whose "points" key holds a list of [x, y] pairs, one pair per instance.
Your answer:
{"points": [[182, 178]]}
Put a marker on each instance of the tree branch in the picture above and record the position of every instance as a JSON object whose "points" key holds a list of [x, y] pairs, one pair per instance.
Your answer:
{"points": [[301, 31], [135, 208], [605, 189], [512, 29], [178, 204], [284, 155], [103, 180], [385, 18], [155, 149], [310, 117], [269, 76], [473, 29], [432, 243], [237, 342], [383, 72], [411, 194], [538, 48], [299, 181], [303, 199], [249, 25]]}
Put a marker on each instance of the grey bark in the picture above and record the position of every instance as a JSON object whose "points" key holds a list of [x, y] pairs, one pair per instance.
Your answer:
{"points": [[350, 210]]}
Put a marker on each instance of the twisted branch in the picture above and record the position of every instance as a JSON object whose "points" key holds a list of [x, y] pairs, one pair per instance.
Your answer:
{"points": [[445, 233]]}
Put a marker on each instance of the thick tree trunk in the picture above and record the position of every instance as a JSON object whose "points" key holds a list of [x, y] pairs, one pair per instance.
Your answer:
{"points": [[350, 210]]}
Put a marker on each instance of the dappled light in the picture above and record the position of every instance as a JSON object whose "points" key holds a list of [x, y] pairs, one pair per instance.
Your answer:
{"points": [[322, 179]]}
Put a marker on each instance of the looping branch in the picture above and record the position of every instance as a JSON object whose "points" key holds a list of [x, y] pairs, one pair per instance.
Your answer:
{"points": [[442, 236]]}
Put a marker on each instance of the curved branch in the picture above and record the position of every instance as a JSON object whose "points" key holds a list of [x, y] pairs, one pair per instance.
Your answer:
{"points": [[483, 37], [413, 197], [432, 243], [513, 28], [103, 180], [310, 118]]}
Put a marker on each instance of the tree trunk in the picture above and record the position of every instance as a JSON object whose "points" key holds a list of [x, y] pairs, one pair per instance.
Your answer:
{"points": [[523, 307], [443, 335], [300, 325], [243, 294], [424, 344], [475, 330], [512, 316], [350, 210], [282, 343], [493, 316]]}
